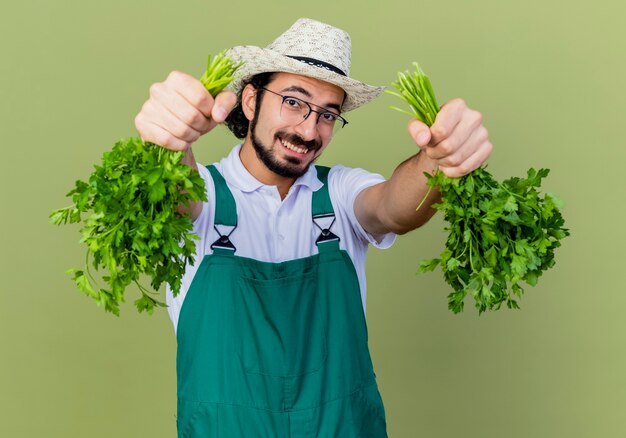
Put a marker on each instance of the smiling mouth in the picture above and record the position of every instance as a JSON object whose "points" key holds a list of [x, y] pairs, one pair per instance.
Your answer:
{"points": [[292, 147]]}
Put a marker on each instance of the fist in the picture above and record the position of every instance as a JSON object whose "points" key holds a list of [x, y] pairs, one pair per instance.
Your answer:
{"points": [[457, 141], [180, 110]]}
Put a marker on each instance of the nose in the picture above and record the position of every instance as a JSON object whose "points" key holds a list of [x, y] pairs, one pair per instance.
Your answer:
{"points": [[308, 127]]}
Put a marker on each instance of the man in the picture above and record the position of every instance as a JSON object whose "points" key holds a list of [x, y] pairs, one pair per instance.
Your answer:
{"points": [[270, 320]]}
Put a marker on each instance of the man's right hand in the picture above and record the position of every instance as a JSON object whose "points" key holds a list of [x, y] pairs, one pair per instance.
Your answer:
{"points": [[180, 110]]}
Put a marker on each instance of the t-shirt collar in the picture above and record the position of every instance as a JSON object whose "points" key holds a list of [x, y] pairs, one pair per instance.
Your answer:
{"points": [[237, 174]]}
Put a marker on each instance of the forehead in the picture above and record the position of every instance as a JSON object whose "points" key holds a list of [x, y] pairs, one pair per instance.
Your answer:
{"points": [[318, 89]]}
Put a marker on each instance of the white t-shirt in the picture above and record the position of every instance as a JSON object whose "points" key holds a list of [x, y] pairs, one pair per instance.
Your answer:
{"points": [[273, 230]]}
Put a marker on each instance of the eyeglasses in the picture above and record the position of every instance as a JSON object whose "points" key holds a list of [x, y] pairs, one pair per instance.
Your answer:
{"points": [[295, 110]]}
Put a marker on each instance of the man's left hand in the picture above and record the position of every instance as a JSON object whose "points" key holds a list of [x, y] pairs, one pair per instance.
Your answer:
{"points": [[457, 142]]}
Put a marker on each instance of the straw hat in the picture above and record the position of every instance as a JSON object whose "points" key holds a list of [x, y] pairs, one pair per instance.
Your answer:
{"points": [[307, 48]]}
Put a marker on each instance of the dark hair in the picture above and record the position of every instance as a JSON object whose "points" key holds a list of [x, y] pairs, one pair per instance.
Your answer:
{"points": [[236, 120]]}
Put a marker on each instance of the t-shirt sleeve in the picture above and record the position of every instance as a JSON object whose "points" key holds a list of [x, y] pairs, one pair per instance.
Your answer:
{"points": [[345, 184], [201, 227], [204, 222]]}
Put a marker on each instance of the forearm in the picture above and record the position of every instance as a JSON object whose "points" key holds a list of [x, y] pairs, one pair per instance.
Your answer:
{"points": [[405, 191], [456, 144], [391, 206], [195, 207]]}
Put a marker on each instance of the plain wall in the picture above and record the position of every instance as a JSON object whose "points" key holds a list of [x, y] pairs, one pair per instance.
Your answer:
{"points": [[548, 77]]}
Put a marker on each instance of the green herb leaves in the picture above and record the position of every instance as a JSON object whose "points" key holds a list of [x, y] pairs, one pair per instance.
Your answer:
{"points": [[134, 226], [500, 234]]}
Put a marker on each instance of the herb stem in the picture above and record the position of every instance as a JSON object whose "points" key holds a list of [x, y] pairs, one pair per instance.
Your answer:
{"points": [[90, 277], [425, 197]]}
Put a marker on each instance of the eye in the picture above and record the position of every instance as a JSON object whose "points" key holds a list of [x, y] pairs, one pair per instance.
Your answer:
{"points": [[329, 117], [292, 102]]}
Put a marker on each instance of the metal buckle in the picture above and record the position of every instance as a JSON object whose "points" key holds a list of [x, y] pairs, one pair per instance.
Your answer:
{"points": [[223, 242], [326, 235]]}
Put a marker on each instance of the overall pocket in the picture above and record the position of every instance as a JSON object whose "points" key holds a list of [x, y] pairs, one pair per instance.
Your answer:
{"points": [[196, 419], [368, 413], [281, 330]]}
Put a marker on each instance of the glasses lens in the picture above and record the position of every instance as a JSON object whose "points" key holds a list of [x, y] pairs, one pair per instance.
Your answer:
{"points": [[294, 110], [339, 123]]}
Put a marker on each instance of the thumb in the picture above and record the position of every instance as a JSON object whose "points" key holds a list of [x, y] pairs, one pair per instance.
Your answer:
{"points": [[419, 132], [224, 103]]}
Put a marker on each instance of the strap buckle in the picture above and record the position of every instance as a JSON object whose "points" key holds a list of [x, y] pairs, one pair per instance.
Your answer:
{"points": [[325, 235], [223, 242]]}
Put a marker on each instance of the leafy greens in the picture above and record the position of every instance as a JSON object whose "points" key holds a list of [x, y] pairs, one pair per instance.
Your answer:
{"points": [[134, 227], [500, 234]]}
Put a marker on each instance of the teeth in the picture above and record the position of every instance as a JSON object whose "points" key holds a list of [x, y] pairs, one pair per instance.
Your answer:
{"points": [[294, 148]]}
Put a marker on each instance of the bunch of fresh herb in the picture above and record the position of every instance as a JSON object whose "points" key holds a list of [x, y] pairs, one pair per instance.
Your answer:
{"points": [[134, 225], [219, 73], [500, 234]]}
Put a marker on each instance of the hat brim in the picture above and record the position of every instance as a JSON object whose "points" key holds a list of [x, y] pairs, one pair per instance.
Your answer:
{"points": [[260, 60]]}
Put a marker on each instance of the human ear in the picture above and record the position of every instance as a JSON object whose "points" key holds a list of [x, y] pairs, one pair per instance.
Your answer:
{"points": [[248, 101]]}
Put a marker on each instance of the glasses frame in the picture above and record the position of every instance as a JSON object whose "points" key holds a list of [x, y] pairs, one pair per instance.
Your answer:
{"points": [[336, 128]]}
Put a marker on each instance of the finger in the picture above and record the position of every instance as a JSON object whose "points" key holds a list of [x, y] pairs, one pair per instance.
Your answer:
{"points": [[192, 90], [153, 133], [462, 141], [224, 104], [473, 162], [419, 132], [159, 115], [185, 111], [446, 121], [175, 103], [467, 149]]}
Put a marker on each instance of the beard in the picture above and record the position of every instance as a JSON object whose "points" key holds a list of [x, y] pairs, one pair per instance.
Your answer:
{"points": [[292, 168]]}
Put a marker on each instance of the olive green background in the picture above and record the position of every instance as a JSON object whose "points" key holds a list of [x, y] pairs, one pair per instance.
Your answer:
{"points": [[548, 77]]}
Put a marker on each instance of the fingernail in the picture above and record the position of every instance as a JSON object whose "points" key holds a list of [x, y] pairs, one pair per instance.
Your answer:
{"points": [[422, 138], [221, 113]]}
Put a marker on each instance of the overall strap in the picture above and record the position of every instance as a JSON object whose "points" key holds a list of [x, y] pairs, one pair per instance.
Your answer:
{"points": [[323, 212], [225, 213]]}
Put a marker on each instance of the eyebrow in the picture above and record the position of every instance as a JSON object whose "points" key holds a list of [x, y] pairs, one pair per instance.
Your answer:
{"points": [[301, 90]]}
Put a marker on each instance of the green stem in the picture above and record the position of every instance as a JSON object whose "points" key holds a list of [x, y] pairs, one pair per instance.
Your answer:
{"points": [[428, 192], [92, 280], [425, 197], [142, 289]]}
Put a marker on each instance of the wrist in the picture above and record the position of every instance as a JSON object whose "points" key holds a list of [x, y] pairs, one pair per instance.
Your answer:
{"points": [[425, 163]]}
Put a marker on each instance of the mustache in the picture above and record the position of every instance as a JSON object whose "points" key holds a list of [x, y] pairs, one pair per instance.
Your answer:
{"points": [[296, 140]]}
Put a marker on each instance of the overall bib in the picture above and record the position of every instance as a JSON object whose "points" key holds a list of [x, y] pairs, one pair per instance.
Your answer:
{"points": [[275, 349]]}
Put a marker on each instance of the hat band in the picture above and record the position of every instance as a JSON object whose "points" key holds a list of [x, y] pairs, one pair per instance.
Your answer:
{"points": [[317, 63]]}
